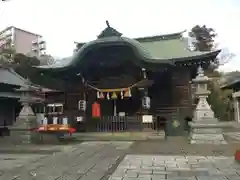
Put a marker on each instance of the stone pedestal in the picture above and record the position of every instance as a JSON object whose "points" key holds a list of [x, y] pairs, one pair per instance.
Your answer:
{"points": [[22, 131], [206, 133], [205, 128], [236, 109]]}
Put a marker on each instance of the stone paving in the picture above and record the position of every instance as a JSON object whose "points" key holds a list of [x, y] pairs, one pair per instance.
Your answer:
{"points": [[85, 161], [234, 135], [156, 167], [15, 160]]}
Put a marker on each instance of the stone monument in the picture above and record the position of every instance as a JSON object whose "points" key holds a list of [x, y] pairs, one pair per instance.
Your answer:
{"points": [[205, 128], [22, 131]]}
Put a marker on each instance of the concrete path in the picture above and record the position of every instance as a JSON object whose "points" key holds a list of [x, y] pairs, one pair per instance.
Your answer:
{"points": [[156, 167], [86, 161]]}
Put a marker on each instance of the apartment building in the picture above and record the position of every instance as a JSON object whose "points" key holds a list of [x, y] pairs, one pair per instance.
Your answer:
{"points": [[22, 41]]}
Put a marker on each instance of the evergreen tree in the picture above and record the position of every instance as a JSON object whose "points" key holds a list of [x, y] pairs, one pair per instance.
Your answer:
{"points": [[204, 36]]}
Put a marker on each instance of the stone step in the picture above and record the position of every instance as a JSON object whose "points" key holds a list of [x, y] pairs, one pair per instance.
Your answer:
{"points": [[207, 131], [156, 135], [207, 138]]}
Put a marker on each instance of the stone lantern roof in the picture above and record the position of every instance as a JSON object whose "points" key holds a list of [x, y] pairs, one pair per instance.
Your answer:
{"points": [[200, 78]]}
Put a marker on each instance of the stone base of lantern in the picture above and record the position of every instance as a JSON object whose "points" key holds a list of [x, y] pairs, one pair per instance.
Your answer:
{"points": [[22, 131], [205, 133], [50, 138]]}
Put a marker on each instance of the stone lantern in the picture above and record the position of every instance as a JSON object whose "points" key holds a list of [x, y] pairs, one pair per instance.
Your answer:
{"points": [[204, 128], [22, 132], [203, 110]]}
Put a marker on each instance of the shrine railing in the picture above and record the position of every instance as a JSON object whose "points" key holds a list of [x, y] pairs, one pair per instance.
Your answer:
{"points": [[113, 124], [116, 123], [90, 124]]}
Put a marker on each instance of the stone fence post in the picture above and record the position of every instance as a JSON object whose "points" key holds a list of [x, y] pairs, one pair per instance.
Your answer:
{"points": [[236, 109]]}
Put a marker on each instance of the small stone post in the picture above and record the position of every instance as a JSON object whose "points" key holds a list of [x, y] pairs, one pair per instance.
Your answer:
{"points": [[205, 128], [236, 109], [22, 131]]}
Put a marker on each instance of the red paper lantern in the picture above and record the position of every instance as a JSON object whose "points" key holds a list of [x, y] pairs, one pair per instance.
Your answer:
{"points": [[96, 110]]}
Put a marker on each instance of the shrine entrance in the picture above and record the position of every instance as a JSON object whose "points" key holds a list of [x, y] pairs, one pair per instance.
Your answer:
{"points": [[117, 75], [113, 77], [120, 106], [117, 103]]}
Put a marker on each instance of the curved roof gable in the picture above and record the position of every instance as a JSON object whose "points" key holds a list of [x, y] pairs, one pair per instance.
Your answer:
{"points": [[166, 49]]}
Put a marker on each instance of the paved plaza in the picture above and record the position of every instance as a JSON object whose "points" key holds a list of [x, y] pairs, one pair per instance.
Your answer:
{"points": [[85, 161], [157, 167], [122, 160]]}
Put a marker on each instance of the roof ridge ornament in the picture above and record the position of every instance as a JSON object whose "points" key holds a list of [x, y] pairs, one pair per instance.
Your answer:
{"points": [[109, 32], [108, 25]]}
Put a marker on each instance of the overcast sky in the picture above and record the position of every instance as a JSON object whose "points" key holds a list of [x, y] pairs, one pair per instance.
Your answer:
{"points": [[61, 22]]}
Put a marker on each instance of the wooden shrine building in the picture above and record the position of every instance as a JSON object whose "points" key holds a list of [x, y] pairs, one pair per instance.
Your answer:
{"points": [[117, 73]]}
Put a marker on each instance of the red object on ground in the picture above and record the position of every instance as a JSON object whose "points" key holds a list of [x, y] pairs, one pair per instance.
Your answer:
{"points": [[71, 131], [34, 129], [55, 128], [96, 110], [237, 155]]}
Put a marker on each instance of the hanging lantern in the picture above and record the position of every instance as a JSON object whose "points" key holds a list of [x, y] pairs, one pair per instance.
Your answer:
{"points": [[96, 110], [108, 96], [82, 105], [101, 96], [114, 95], [146, 102]]}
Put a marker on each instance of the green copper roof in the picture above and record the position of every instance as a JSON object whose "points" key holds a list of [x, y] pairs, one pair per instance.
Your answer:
{"points": [[155, 49], [140, 50], [170, 49], [167, 47]]}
